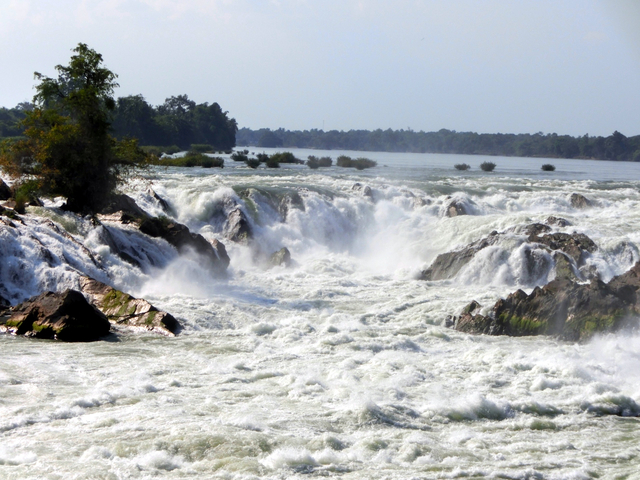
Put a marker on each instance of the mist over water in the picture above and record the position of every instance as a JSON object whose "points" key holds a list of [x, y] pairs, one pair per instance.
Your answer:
{"points": [[341, 364]]}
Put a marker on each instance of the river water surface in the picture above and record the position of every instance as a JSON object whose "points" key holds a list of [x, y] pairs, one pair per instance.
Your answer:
{"points": [[341, 365]]}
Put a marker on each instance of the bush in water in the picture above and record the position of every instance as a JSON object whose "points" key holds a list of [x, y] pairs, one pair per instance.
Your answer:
{"points": [[239, 157], [487, 166], [313, 162], [201, 148], [285, 157], [462, 166], [359, 163], [262, 157], [547, 167], [272, 162], [253, 163]]}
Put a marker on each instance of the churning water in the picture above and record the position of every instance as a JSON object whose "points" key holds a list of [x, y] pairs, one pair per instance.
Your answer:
{"points": [[339, 366]]}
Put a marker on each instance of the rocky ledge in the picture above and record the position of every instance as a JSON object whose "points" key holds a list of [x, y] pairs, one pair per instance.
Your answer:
{"points": [[564, 308]]}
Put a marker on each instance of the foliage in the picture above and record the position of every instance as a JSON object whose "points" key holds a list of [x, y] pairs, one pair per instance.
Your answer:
{"points": [[272, 162], [359, 163], [547, 167], [158, 151], [285, 157], [253, 163], [315, 162], [67, 147], [191, 159], [262, 157], [240, 156], [201, 148], [487, 166], [613, 147], [269, 140], [462, 166]]}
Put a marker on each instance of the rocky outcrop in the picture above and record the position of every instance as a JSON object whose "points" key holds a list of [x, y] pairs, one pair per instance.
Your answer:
{"points": [[455, 208], [557, 221], [580, 201], [65, 316], [564, 308], [162, 203], [281, 257], [5, 191], [576, 246], [126, 208], [237, 227], [183, 239], [126, 311], [365, 190]]}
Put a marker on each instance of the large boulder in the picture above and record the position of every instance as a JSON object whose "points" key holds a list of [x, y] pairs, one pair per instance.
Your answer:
{"points": [[237, 227], [183, 239], [455, 208], [281, 257], [123, 310], [5, 191], [564, 308], [580, 201], [65, 316]]}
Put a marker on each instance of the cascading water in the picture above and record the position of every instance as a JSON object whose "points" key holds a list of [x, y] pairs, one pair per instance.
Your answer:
{"points": [[340, 364]]}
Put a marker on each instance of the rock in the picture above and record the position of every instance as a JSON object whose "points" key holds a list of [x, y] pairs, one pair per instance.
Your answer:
{"points": [[365, 190], [182, 238], [164, 205], [455, 208], [576, 246], [557, 221], [570, 310], [447, 265], [281, 257], [65, 316], [126, 311], [127, 206], [237, 227], [580, 201], [290, 201], [5, 191]]}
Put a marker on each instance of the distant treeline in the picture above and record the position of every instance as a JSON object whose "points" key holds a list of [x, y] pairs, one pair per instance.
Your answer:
{"points": [[613, 147], [178, 121]]}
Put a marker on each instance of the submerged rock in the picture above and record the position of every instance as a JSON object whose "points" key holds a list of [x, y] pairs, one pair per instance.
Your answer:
{"points": [[281, 257], [564, 308], [457, 208], [558, 221], [580, 201], [65, 316], [365, 190], [126, 311]]}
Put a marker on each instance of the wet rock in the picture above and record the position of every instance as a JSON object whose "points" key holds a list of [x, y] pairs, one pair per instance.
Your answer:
{"points": [[183, 239], [281, 257], [126, 207], [580, 201], [237, 227], [447, 265], [365, 190], [564, 308], [455, 208], [65, 316], [557, 221], [124, 310], [290, 201], [5, 191], [576, 245], [164, 205]]}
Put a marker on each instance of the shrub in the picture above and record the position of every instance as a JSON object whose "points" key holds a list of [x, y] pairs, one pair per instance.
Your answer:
{"points": [[272, 162], [312, 162], [201, 148], [262, 157], [239, 157], [253, 163], [487, 166], [359, 163], [159, 150], [462, 166], [191, 159], [285, 157], [343, 161], [547, 167], [325, 161]]}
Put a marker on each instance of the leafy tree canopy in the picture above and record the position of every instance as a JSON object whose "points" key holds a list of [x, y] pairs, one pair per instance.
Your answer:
{"points": [[67, 147]]}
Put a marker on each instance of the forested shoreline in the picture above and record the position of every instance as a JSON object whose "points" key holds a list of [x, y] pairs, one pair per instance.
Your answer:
{"points": [[614, 147], [181, 122]]}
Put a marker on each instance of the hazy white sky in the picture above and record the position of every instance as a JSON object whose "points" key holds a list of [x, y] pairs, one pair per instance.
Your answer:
{"points": [[565, 66]]}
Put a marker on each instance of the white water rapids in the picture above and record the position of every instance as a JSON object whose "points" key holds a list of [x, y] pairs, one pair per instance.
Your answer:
{"points": [[340, 365]]}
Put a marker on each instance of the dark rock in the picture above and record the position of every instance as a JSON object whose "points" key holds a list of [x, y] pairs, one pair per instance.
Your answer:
{"points": [[558, 221], [5, 191], [182, 238], [164, 205], [455, 208], [281, 257], [237, 227], [576, 245], [570, 310], [126, 311], [580, 201], [126, 205], [65, 316], [447, 265], [290, 201], [365, 190]]}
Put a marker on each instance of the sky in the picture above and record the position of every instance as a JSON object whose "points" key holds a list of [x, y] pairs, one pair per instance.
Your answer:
{"points": [[511, 66]]}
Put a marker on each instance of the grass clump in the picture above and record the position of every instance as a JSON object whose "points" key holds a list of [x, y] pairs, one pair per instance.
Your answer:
{"points": [[547, 167], [487, 166], [462, 166]]}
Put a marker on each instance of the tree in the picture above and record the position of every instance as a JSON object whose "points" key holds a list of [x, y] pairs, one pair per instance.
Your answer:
{"points": [[68, 148]]}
